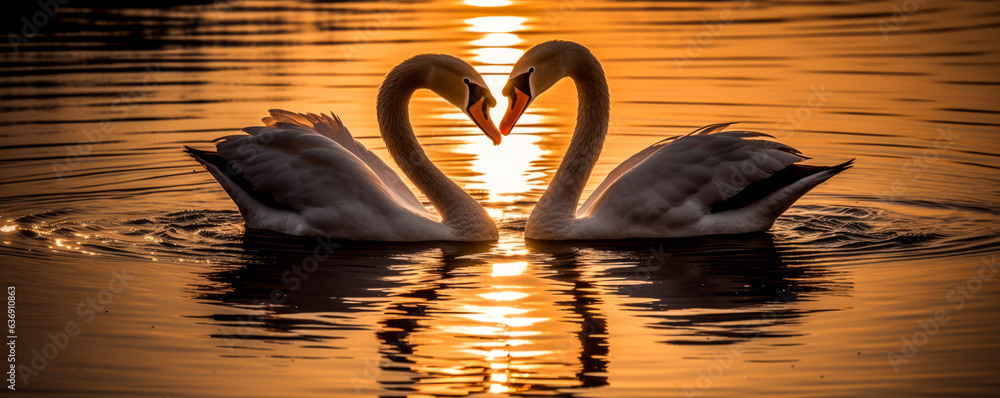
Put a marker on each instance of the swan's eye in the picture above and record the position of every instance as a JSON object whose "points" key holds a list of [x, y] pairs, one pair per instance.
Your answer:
{"points": [[531, 69], [466, 80]]}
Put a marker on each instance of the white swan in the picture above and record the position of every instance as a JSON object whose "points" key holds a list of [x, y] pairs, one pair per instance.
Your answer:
{"points": [[709, 182], [306, 175]]}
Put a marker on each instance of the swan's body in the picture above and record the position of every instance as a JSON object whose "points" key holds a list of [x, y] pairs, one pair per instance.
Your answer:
{"points": [[709, 182], [306, 175]]}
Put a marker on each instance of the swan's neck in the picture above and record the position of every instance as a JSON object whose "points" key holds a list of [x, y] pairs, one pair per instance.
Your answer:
{"points": [[556, 209], [457, 208]]}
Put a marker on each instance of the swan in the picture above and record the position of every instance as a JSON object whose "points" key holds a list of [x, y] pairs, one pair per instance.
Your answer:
{"points": [[304, 174], [709, 182]]}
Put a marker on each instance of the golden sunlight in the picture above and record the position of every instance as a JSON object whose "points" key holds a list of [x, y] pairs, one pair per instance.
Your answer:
{"points": [[498, 40], [504, 296], [131, 196], [495, 24], [488, 3], [497, 55], [505, 165], [510, 269]]}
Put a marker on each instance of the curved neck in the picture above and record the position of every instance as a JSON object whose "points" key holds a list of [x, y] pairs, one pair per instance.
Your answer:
{"points": [[560, 200], [457, 208]]}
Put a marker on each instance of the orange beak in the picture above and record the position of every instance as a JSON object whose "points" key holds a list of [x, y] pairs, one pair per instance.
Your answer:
{"points": [[482, 119], [514, 112]]}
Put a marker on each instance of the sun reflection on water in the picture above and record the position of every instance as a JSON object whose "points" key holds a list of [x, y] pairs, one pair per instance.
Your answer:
{"points": [[497, 55], [492, 330], [498, 40], [503, 348], [509, 269], [496, 24], [504, 296], [507, 167], [488, 3]]}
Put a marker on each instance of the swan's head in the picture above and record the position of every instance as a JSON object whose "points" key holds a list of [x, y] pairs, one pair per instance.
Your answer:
{"points": [[540, 68], [462, 86]]}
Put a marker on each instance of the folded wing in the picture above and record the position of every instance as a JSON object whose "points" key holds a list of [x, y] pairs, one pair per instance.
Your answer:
{"points": [[294, 180], [711, 181], [634, 160], [331, 127]]}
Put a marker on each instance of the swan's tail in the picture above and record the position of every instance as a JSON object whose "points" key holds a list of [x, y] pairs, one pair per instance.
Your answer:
{"points": [[236, 185], [796, 179], [759, 204]]}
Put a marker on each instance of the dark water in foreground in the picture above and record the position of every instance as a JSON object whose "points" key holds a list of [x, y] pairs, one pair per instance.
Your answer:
{"points": [[880, 281]]}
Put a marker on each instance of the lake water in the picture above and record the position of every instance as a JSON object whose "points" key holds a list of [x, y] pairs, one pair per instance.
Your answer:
{"points": [[134, 275]]}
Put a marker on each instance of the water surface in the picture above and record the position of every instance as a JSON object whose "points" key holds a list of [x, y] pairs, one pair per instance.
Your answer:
{"points": [[878, 281]]}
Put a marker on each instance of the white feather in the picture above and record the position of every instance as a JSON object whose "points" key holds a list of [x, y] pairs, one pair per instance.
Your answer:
{"points": [[334, 129], [331, 191], [671, 190]]}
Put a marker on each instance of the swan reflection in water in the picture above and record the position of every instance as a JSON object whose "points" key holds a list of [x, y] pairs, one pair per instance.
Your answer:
{"points": [[458, 318], [702, 290]]}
